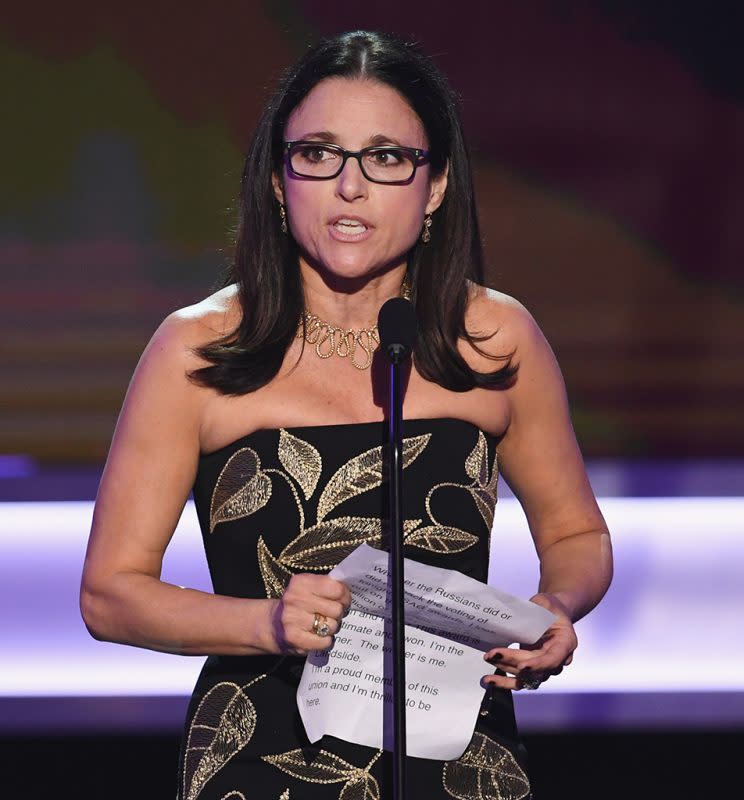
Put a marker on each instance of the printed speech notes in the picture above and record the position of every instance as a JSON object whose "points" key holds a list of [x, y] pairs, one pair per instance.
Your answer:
{"points": [[452, 619]]}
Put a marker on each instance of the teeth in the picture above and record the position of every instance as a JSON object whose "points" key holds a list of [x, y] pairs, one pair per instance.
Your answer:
{"points": [[350, 223]]}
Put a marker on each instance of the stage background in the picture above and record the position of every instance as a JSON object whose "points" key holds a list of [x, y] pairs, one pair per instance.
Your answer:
{"points": [[606, 137], [607, 141]]}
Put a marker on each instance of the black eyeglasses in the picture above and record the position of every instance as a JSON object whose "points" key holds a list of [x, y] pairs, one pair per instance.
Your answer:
{"points": [[384, 164]]}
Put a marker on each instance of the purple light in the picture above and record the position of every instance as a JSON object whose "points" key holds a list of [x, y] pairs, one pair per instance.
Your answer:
{"points": [[17, 466]]}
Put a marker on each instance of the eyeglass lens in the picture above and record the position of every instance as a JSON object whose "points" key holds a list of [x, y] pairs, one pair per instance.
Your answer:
{"points": [[384, 164]]}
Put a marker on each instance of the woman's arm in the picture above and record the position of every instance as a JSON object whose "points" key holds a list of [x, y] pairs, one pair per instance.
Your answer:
{"points": [[541, 462], [147, 479]]}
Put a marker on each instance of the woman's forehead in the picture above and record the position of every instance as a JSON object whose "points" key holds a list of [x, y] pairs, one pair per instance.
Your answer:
{"points": [[354, 112]]}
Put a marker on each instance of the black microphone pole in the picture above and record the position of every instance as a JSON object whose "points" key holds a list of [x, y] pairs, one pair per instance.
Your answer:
{"points": [[397, 327]]}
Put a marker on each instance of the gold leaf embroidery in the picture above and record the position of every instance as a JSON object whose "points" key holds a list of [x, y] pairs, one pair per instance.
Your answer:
{"points": [[275, 576], [326, 544], [484, 492], [301, 460], [494, 479], [324, 768], [365, 787], [284, 795], [223, 724], [235, 793], [362, 473], [441, 539], [329, 768], [486, 771], [486, 504], [476, 464], [241, 489]]}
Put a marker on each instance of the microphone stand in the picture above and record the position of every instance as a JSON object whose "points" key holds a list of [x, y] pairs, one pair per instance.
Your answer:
{"points": [[395, 441]]}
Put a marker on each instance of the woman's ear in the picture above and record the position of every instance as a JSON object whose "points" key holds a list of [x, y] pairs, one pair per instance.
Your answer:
{"points": [[276, 182], [437, 190]]}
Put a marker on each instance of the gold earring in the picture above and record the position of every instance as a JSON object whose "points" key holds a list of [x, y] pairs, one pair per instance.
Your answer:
{"points": [[426, 233], [283, 215]]}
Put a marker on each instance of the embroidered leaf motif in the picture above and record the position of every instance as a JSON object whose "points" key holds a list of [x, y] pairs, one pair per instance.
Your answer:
{"points": [[326, 544], [241, 489], [485, 770], [235, 795], [362, 473], [284, 795], [494, 479], [223, 724], [485, 502], [324, 768], [329, 768], [275, 576], [476, 464], [484, 492], [301, 460], [441, 539], [364, 787]]}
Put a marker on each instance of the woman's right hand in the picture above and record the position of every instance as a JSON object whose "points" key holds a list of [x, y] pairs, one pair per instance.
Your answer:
{"points": [[294, 614]]}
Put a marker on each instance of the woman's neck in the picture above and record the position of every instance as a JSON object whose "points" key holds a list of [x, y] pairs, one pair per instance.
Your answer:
{"points": [[349, 303]]}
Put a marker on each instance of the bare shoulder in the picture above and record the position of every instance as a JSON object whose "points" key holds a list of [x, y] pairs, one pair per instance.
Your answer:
{"points": [[507, 326], [161, 384], [183, 331], [162, 415], [202, 322], [217, 313]]}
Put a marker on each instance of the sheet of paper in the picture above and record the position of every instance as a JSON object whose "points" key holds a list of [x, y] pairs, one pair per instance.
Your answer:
{"points": [[342, 691], [444, 601], [452, 619]]}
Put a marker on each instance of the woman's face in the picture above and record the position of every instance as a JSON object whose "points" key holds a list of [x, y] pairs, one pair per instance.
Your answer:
{"points": [[347, 225]]}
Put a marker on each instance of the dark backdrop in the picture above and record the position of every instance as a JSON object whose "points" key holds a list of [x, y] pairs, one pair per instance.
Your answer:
{"points": [[606, 137]]}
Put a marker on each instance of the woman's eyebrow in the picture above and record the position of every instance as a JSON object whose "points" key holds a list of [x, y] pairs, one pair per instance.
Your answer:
{"points": [[319, 136], [382, 138], [332, 138]]}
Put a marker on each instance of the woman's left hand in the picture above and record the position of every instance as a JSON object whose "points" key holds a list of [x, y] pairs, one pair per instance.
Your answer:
{"points": [[532, 664]]}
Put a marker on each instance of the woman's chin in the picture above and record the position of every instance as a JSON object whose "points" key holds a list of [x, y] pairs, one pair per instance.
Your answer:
{"points": [[350, 273]]}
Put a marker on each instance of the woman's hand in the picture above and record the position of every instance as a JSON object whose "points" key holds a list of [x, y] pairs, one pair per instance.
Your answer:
{"points": [[294, 614], [534, 663]]}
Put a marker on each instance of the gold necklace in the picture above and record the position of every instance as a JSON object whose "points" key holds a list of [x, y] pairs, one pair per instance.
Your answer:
{"points": [[331, 340]]}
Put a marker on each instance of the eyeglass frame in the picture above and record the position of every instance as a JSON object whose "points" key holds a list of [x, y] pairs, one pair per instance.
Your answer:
{"points": [[420, 157]]}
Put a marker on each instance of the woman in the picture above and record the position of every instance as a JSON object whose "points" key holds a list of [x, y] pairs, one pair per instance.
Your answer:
{"points": [[268, 398]]}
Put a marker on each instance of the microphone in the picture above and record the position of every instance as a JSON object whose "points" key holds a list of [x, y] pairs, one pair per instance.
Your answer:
{"points": [[398, 328]]}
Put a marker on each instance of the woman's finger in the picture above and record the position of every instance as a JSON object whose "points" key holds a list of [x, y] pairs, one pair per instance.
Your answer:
{"points": [[331, 589], [331, 625], [302, 638], [326, 608], [500, 681], [526, 679], [538, 662], [306, 584]]}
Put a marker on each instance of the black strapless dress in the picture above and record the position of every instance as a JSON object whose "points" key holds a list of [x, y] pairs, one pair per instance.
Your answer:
{"points": [[279, 502]]}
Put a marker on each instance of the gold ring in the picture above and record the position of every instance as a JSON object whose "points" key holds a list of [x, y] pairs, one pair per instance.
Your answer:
{"points": [[321, 628]]}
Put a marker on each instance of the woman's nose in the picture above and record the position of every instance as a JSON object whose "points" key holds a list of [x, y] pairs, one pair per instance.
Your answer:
{"points": [[351, 183]]}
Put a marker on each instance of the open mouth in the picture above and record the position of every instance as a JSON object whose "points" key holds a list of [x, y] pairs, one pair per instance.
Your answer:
{"points": [[349, 226]]}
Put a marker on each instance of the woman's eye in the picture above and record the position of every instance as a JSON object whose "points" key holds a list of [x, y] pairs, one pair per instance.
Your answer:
{"points": [[387, 158], [316, 154]]}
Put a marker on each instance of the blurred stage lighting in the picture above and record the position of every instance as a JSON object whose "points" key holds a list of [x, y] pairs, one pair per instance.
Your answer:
{"points": [[665, 645]]}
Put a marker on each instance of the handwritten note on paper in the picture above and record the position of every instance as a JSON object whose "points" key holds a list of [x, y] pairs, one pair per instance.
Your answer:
{"points": [[452, 620]]}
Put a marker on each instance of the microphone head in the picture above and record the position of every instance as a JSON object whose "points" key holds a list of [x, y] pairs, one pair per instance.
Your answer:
{"points": [[398, 328]]}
